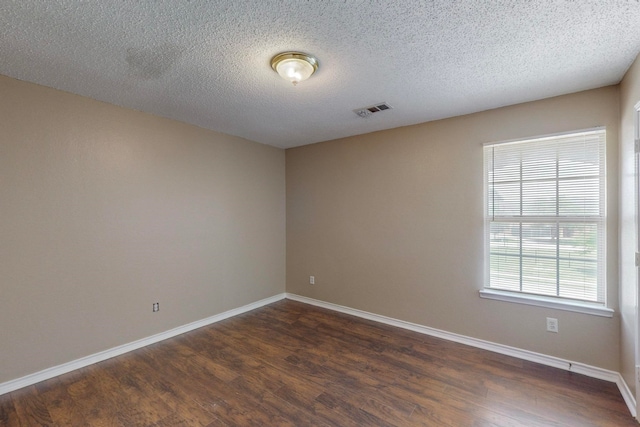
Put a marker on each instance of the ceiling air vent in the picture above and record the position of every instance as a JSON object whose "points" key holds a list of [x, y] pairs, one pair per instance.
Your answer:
{"points": [[367, 111]]}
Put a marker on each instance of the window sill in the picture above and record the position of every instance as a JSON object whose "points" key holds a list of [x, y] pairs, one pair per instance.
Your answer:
{"points": [[540, 301]]}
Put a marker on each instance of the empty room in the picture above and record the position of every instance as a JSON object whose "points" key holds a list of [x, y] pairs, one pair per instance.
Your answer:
{"points": [[319, 213]]}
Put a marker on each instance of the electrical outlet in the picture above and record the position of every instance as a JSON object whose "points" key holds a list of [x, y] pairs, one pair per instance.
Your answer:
{"points": [[156, 306], [312, 280], [552, 325]]}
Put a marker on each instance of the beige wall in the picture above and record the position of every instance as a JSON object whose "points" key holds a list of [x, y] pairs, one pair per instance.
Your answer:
{"points": [[105, 210], [392, 223], [629, 97]]}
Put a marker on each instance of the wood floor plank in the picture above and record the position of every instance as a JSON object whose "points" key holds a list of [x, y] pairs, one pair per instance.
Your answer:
{"points": [[389, 371], [63, 408], [431, 368], [399, 357], [8, 415], [226, 405], [135, 390], [30, 408], [97, 396], [293, 364], [369, 405]]}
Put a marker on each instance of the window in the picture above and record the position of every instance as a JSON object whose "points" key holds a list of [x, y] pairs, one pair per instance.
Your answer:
{"points": [[545, 217]]}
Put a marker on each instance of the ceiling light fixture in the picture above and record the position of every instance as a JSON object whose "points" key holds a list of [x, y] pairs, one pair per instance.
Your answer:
{"points": [[294, 66]]}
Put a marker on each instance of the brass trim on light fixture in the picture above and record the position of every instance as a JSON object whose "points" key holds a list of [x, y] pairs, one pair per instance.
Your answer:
{"points": [[294, 55]]}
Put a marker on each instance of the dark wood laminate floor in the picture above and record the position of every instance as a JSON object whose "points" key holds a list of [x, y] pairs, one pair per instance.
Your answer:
{"points": [[291, 364]]}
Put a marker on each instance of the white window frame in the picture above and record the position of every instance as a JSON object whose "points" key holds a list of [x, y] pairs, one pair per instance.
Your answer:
{"points": [[554, 302]]}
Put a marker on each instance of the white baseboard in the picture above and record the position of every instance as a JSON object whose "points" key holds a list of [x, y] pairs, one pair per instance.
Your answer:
{"points": [[48, 373], [577, 367], [628, 397]]}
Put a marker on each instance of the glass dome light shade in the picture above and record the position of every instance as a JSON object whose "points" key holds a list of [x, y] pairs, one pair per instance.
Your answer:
{"points": [[294, 66]]}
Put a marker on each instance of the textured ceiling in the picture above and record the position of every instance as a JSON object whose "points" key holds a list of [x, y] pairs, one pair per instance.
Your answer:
{"points": [[207, 62]]}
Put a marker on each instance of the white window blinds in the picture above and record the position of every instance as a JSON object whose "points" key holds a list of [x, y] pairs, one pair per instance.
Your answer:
{"points": [[545, 216]]}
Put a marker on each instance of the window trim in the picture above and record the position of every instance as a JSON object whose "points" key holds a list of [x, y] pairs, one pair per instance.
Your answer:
{"points": [[547, 302], [559, 303]]}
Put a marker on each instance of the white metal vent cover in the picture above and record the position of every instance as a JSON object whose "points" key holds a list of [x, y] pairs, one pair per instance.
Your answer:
{"points": [[367, 111]]}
